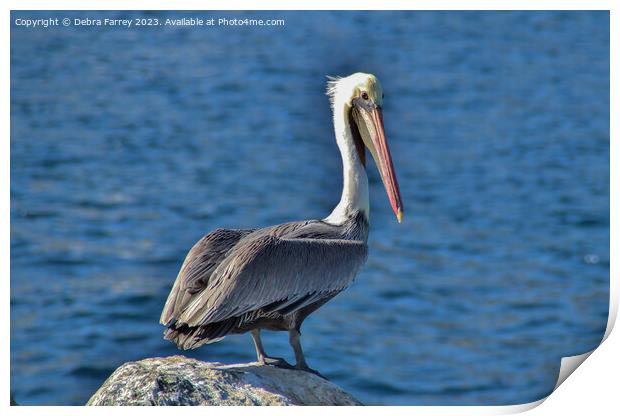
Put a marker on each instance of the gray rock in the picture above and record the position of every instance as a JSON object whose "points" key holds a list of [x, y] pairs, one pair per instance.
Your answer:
{"points": [[178, 380]]}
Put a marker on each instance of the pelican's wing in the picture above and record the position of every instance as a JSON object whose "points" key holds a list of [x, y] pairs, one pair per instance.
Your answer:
{"points": [[197, 268], [276, 274]]}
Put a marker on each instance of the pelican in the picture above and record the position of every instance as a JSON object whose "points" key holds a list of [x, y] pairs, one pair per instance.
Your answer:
{"points": [[247, 280]]}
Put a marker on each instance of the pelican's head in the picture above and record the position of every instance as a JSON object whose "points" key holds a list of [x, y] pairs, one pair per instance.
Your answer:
{"points": [[361, 96]]}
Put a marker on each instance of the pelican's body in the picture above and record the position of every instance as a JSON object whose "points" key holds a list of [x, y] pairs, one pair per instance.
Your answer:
{"points": [[236, 281]]}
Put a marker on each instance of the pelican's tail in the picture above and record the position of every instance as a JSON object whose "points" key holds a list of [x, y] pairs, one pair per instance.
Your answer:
{"points": [[190, 337]]}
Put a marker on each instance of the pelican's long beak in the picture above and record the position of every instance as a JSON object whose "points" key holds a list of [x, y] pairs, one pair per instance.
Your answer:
{"points": [[386, 168], [371, 117]]}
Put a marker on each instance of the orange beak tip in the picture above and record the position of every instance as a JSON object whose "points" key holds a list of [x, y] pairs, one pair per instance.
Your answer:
{"points": [[399, 216]]}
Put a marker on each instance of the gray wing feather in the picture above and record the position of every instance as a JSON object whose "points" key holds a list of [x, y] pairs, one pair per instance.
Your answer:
{"points": [[260, 271], [197, 268]]}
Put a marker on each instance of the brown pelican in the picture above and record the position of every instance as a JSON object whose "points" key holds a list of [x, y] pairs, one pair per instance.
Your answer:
{"points": [[237, 281]]}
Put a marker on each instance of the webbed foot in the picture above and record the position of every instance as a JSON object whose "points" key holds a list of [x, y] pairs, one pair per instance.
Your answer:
{"points": [[276, 362], [310, 370]]}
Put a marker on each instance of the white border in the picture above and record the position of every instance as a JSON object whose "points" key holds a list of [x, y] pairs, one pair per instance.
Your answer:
{"points": [[315, 5], [590, 390]]}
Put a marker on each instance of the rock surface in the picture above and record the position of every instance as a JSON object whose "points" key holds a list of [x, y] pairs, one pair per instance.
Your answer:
{"points": [[178, 380]]}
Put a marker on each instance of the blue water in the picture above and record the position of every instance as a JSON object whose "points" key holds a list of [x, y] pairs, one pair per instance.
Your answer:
{"points": [[128, 145]]}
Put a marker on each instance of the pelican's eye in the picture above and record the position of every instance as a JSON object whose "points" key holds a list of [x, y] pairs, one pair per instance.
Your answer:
{"points": [[365, 95]]}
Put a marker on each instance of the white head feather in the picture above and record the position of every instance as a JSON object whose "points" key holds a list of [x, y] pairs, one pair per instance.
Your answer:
{"points": [[343, 90]]}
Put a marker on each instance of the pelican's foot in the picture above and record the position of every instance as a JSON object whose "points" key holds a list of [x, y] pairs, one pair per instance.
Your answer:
{"points": [[276, 362], [310, 370]]}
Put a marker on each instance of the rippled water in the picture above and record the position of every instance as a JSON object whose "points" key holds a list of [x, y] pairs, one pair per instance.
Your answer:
{"points": [[128, 145]]}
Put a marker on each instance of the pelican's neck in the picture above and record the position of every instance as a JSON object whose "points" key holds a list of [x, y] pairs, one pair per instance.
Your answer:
{"points": [[355, 185]]}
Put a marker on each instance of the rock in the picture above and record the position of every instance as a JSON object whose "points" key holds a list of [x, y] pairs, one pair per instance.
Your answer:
{"points": [[178, 380]]}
